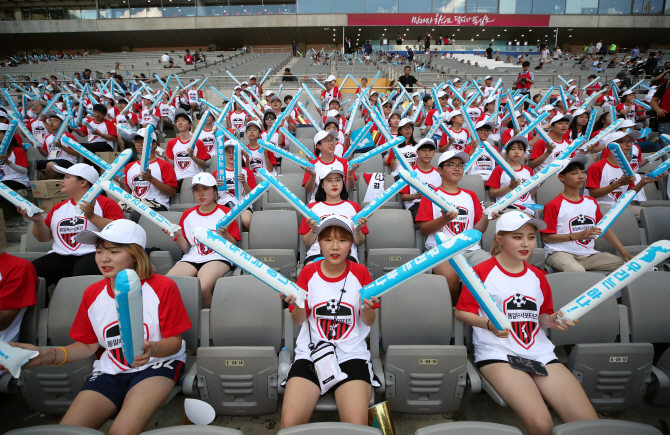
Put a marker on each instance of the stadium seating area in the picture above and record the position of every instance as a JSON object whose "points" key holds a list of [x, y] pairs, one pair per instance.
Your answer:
{"points": [[637, 325]]}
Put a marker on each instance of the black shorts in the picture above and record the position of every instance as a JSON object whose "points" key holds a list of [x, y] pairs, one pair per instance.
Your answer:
{"points": [[487, 362], [42, 164], [115, 387], [356, 370], [198, 266]]}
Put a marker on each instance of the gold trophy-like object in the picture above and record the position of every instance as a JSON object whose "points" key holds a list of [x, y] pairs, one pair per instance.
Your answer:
{"points": [[379, 416]]}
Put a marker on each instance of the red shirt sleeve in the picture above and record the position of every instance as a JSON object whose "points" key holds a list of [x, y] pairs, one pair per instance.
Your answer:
{"points": [[599, 214], [272, 157], [466, 301], [547, 306], [251, 180], [110, 209], [304, 226], [111, 128], [425, 212], [21, 157], [167, 173], [233, 229], [172, 316], [82, 329], [479, 211], [168, 150], [443, 140], [303, 281], [593, 176], [201, 151], [606, 152], [538, 149], [494, 179], [551, 216], [357, 207], [17, 286]]}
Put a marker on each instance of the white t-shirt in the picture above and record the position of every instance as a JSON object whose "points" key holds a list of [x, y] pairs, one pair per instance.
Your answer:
{"points": [[601, 174], [408, 151], [474, 113], [105, 127], [318, 168], [140, 188], [151, 117], [184, 166], [484, 164], [564, 216], [209, 140], [460, 140], [432, 178], [163, 316], [257, 160], [523, 297], [123, 120], [7, 173], [342, 327], [192, 219], [238, 120], [228, 195], [499, 178], [166, 111]]}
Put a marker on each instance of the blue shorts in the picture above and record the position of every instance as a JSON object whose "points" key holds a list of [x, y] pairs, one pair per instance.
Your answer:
{"points": [[115, 387]]}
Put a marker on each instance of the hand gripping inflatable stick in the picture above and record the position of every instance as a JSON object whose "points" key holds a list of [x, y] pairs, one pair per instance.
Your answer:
{"points": [[423, 262], [608, 286], [215, 110], [18, 200], [621, 160], [221, 162], [659, 169], [473, 159], [603, 133], [86, 153], [95, 190], [477, 289], [380, 200], [591, 82], [282, 152], [128, 297], [9, 135], [146, 148], [289, 196], [13, 358], [526, 186], [62, 129], [435, 197], [566, 153], [658, 154], [21, 126], [249, 199], [377, 150], [250, 264]]}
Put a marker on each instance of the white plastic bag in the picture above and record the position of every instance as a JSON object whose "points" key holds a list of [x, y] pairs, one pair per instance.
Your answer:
{"points": [[13, 358]]}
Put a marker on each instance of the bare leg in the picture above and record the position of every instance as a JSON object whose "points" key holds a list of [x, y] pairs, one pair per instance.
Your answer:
{"points": [[89, 409], [246, 220], [353, 401], [453, 280], [208, 275], [520, 392], [49, 172], [140, 404], [183, 269], [300, 397], [562, 391]]}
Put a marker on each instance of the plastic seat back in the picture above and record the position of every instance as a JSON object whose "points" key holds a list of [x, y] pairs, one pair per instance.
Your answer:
{"points": [[294, 183], [238, 375], [273, 239], [191, 429], [474, 183], [331, 428], [424, 373], [626, 229], [191, 296], [469, 428], [54, 429], [654, 221], [604, 426], [371, 165], [391, 241], [33, 245], [156, 238], [549, 190], [29, 323]]}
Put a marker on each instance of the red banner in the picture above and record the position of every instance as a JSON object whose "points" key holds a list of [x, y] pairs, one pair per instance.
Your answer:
{"points": [[478, 20]]}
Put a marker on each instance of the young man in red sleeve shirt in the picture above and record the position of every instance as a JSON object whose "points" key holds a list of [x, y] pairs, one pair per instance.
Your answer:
{"points": [[17, 292], [187, 162], [101, 135], [543, 154]]}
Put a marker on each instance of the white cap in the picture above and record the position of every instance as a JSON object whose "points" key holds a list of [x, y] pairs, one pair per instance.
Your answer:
{"points": [[616, 81], [255, 123], [488, 78], [561, 117], [453, 154], [416, 94], [229, 143], [323, 134], [457, 80], [3, 126], [546, 108], [244, 83], [268, 93], [331, 78], [441, 94], [578, 112], [332, 113], [121, 231], [628, 92], [337, 221], [404, 122], [142, 132], [513, 220], [148, 97], [252, 77], [454, 113], [426, 141], [489, 100], [482, 123], [571, 88], [633, 134], [335, 167], [203, 179], [56, 113], [87, 172], [237, 87], [3, 114]]}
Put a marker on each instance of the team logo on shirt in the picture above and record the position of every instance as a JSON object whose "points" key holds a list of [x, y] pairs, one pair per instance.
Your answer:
{"points": [[113, 343], [183, 160], [522, 312], [458, 225], [209, 144], [526, 196], [334, 323], [68, 229], [202, 249], [255, 163], [616, 193], [484, 162], [581, 223], [140, 186]]}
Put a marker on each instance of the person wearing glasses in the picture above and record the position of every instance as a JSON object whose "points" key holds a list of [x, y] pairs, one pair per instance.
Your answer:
{"points": [[432, 218]]}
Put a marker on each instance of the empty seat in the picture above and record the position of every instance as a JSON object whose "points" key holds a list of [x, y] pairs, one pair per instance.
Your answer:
{"points": [[52, 389], [198, 430], [371, 165], [612, 384], [655, 221], [424, 373], [168, 252], [649, 323], [273, 239], [609, 427], [330, 429], [272, 200], [391, 241], [626, 229], [468, 428], [184, 194], [54, 429], [32, 249], [237, 372]]}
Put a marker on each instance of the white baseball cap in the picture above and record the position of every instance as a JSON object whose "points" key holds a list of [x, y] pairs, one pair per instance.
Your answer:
{"points": [[454, 113], [628, 92], [337, 221], [148, 97], [332, 113], [121, 231], [229, 143], [513, 220], [3, 126], [633, 134], [571, 88], [237, 87], [457, 80], [453, 154], [3, 114], [404, 122], [546, 108], [142, 132], [335, 167], [203, 179], [252, 77], [488, 78], [578, 112], [561, 117], [426, 141], [323, 134], [331, 78], [483, 123], [268, 93], [55, 113], [441, 94], [87, 172], [616, 81], [244, 83]]}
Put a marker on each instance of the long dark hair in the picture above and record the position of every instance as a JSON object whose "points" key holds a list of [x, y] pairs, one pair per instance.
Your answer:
{"points": [[573, 127], [600, 122], [321, 196], [412, 141]]}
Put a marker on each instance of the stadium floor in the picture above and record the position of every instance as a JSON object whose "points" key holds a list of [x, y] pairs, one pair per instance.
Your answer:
{"points": [[15, 414]]}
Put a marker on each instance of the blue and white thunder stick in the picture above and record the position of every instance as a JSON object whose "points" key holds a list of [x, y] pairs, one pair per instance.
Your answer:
{"points": [[436, 103], [51, 103], [435, 197], [282, 152], [495, 155], [311, 96], [658, 154], [642, 103], [146, 148], [591, 82], [237, 170], [544, 98], [161, 82], [95, 190], [532, 124], [11, 103], [181, 85], [21, 126], [18, 200], [615, 212], [589, 126], [437, 122], [570, 149], [244, 107], [231, 76], [250, 264], [124, 129], [281, 86], [319, 84], [137, 205], [289, 196], [510, 108], [309, 117], [265, 76], [200, 86], [473, 159], [215, 110], [248, 199], [198, 130], [128, 297], [477, 289], [621, 160], [354, 143], [70, 112], [612, 283], [380, 200], [376, 150], [286, 113], [590, 98], [220, 94], [63, 128], [221, 161], [419, 109], [288, 136], [86, 153], [230, 136], [526, 186], [9, 135], [659, 169], [420, 264], [158, 98], [603, 133]]}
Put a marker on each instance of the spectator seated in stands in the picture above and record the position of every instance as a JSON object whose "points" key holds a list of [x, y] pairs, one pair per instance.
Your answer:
{"points": [[129, 392], [13, 164], [227, 196], [501, 184], [57, 153], [18, 281], [187, 162], [102, 135]]}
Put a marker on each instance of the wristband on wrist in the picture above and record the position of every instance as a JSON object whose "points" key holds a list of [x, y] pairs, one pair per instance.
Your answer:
{"points": [[64, 357], [488, 322], [155, 349]]}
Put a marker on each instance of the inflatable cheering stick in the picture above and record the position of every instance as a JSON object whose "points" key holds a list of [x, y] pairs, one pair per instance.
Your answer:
{"points": [[128, 296]]}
